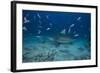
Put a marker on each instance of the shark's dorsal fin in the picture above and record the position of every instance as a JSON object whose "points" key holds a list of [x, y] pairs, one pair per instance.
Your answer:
{"points": [[63, 31]]}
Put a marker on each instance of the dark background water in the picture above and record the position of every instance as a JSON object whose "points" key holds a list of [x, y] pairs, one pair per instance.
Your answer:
{"points": [[56, 22]]}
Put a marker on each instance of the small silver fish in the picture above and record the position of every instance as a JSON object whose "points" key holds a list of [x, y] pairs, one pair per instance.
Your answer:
{"points": [[63, 31], [39, 31], [48, 29], [69, 30], [76, 35], [26, 20], [47, 16], [38, 15], [78, 18], [24, 28], [72, 25]]}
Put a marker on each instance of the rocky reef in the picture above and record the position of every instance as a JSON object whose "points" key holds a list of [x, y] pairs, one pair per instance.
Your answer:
{"points": [[56, 49]]}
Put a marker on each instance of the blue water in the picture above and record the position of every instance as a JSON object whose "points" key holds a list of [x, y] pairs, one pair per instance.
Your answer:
{"points": [[56, 36]]}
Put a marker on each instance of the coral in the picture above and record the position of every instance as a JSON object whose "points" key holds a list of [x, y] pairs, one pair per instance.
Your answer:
{"points": [[82, 57], [64, 51], [39, 57], [59, 48]]}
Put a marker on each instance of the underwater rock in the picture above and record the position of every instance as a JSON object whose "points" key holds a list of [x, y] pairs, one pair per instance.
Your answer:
{"points": [[39, 56], [83, 57], [57, 44], [81, 49], [27, 59], [64, 51], [66, 46], [40, 46], [55, 48], [51, 38], [88, 47], [28, 49], [62, 56], [49, 56]]}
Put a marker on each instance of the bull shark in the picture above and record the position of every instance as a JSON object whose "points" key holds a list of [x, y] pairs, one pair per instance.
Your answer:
{"points": [[62, 38]]}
